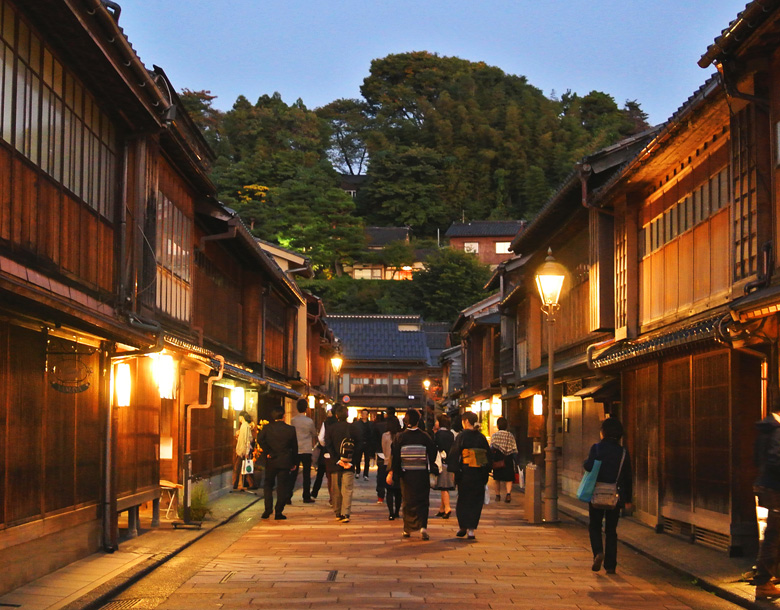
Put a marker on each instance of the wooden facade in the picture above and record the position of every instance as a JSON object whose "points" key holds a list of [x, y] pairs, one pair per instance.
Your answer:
{"points": [[114, 256], [670, 311]]}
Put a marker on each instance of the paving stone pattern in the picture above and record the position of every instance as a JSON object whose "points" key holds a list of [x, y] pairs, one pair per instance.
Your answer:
{"points": [[313, 561]]}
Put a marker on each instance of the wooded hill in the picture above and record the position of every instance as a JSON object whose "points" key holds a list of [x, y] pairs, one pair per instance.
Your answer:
{"points": [[438, 138]]}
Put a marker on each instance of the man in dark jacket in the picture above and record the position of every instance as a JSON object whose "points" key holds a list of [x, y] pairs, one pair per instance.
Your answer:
{"points": [[365, 444], [279, 443], [767, 488], [340, 442]]}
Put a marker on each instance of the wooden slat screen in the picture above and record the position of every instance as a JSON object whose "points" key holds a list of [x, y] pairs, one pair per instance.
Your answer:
{"points": [[642, 412], [676, 399], [745, 199], [711, 413], [50, 449]]}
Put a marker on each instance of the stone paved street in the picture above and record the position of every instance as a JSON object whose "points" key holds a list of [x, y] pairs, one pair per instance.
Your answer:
{"points": [[313, 561]]}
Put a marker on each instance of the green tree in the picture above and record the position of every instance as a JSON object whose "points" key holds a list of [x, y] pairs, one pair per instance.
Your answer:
{"points": [[349, 122], [451, 281]]}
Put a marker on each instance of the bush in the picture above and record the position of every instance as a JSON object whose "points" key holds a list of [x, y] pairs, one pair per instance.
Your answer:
{"points": [[199, 504]]}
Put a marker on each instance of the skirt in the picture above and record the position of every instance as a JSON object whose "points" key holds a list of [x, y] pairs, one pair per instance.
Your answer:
{"points": [[445, 481]]}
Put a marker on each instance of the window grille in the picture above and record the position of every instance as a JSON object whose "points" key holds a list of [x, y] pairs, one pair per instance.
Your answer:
{"points": [[50, 118]]}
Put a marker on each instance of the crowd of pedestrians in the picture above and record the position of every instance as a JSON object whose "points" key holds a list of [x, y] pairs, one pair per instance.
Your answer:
{"points": [[410, 462]]}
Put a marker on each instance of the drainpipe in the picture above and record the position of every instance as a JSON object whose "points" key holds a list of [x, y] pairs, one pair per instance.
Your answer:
{"points": [[188, 418], [586, 171], [266, 291], [123, 226]]}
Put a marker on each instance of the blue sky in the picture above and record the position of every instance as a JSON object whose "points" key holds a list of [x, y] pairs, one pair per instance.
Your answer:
{"points": [[320, 51]]}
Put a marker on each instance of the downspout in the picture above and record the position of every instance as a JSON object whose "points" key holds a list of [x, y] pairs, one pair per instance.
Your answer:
{"points": [[266, 290], [123, 226], [586, 171], [188, 424]]}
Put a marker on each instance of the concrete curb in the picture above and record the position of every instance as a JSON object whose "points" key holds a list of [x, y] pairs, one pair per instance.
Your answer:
{"points": [[102, 594]]}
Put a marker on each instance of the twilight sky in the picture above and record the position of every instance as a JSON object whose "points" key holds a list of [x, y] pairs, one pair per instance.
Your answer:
{"points": [[321, 51]]}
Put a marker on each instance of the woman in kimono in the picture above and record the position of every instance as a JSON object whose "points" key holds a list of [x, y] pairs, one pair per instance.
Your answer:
{"points": [[413, 454], [470, 460]]}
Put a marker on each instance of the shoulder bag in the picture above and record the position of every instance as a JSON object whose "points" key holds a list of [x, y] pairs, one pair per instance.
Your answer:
{"points": [[605, 495]]}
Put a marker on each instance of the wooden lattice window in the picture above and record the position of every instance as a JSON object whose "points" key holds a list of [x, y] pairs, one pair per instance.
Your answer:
{"points": [[50, 118], [745, 201], [621, 273], [174, 259]]}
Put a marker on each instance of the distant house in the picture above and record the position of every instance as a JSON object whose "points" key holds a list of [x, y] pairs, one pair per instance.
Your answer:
{"points": [[351, 184], [386, 360], [377, 239], [488, 239]]}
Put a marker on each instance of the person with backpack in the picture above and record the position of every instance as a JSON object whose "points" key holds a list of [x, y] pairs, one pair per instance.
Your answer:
{"points": [[615, 468], [340, 444], [504, 449], [413, 457]]}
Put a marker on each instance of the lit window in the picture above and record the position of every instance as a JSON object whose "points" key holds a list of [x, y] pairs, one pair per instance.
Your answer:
{"points": [[502, 247], [471, 246]]}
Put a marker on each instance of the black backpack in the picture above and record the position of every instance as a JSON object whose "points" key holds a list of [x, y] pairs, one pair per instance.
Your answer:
{"points": [[347, 449]]}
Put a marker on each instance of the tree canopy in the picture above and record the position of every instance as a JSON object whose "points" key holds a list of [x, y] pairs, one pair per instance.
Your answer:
{"points": [[437, 138]]}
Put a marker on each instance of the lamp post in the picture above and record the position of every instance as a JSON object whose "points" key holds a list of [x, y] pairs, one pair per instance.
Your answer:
{"points": [[335, 362], [549, 281], [427, 386]]}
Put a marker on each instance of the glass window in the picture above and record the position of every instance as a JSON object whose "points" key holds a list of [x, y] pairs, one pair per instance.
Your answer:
{"points": [[471, 246], [502, 247]]}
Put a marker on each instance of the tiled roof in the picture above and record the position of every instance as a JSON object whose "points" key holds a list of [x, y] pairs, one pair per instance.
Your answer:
{"points": [[730, 39], [381, 236], [377, 337], [484, 228]]}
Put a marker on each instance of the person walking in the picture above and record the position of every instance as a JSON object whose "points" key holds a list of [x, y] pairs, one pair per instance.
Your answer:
{"points": [[378, 427], [393, 488], [365, 444], [306, 434], [470, 461], [323, 462], [504, 448], [242, 451], [767, 488], [340, 441], [615, 468], [279, 444], [443, 438], [413, 457]]}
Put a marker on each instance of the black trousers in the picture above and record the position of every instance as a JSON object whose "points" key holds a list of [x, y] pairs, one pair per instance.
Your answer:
{"points": [[381, 475], [304, 463], [279, 478], [321, 472], [609, 546], [362, 454]]}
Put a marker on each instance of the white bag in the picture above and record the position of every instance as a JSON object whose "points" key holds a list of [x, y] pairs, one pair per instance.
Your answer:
{"points": [[248, 466], [487, 494]]}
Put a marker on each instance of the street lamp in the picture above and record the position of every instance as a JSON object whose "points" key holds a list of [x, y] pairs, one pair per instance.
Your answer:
{"points": [[549, 281], [427, 386], [335, 362]]}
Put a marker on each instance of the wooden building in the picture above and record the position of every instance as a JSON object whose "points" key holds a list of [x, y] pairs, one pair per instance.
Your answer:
{"points": [[137, 314], [386, 360], [488, 240]]}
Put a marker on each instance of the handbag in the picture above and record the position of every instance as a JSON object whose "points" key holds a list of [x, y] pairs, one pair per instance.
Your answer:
{"points": [[605, 495], [487, 495], [247, 466], [588, 483]]}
